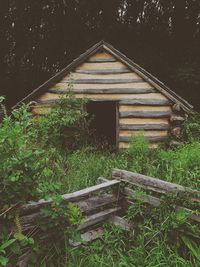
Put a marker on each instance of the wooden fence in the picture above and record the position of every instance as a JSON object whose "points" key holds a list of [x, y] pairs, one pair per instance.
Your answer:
{"points": [[105, 202]]}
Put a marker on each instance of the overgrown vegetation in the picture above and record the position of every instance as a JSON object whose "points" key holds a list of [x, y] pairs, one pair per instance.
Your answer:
{"points": [[49, 155]]}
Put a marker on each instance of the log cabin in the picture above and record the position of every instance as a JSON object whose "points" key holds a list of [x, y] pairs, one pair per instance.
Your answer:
{"points": [[124, 98]]}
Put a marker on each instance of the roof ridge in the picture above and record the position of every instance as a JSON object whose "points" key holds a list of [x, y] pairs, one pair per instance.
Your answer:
{"points": [[120, 56]]}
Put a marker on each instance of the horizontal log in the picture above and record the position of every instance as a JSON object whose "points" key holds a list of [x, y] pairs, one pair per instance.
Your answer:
{"points": [[103, 81], [176, 131], [144, 126], [71, 197], [86, 206], [155, 202], [63, 85], [144, 114], [98, 217], [176, 108], [175, 118], [104, 71], [105, 91], [151, 139], [97, 202], [133, 108], [88, 236], [150, 102], [101, 60], [147, 182], [120, 222], [101, 65]]}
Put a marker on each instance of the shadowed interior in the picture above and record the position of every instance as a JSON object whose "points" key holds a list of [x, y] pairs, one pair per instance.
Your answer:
{"points": [[103, 121]]}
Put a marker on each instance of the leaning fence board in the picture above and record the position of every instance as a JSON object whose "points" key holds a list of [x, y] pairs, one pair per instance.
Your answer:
{"points": [[98, 217], [155, 202], [75, 196], [120, 222], [149, 182], [87, 237]]}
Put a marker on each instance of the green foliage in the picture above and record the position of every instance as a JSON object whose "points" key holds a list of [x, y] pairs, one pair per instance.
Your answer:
{"points": [[30, 156], [45, 156], [191, 128], [66, 126]]}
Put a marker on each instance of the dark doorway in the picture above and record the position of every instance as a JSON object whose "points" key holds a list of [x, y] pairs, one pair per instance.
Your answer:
{"points": [[103, 122]]}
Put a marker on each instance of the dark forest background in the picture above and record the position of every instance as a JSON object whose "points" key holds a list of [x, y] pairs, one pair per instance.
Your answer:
{"points": [[39, 38]]}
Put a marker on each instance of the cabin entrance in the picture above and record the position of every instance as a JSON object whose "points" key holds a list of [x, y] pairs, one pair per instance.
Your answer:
{"points": [[103, 115]]}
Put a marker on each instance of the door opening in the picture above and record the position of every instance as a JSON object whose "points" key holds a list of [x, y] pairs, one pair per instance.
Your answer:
{"points": [[103, 115]]}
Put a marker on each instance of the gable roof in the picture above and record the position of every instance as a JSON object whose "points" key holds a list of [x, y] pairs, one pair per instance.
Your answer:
{"points": [[121, 57]]}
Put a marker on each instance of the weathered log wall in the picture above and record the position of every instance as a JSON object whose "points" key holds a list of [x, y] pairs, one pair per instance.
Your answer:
{"points": [[103, 78]]}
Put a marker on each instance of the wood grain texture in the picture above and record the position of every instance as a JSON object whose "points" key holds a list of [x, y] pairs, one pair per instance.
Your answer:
{"points": [[157, 96], [104, 71], [98, 217], [101, 55], [125, 145], [102, 65], [63, 85], [75, 196], [148, 182], [144, 127], [144, 114], [103, 81], [150, 101], [145, 133], [71, 78], [143, 120], [99, 60], [126, 108], [151, 139], [41, 110], [105, 91]]}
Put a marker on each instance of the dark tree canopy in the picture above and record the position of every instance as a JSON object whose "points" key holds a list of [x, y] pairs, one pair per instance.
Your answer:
{"points": [[39, 38]]}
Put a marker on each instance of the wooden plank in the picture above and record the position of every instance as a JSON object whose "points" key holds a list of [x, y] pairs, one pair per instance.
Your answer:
{"points": [[104, 91], [98, 217], [178, 119], [144, 114], [75, 196], [151, 139], [104, 71], [143, 133], [101, 60], [155, 202], [102, 65], [125, 145], [144, 127], [147, 182], [96, 202], [41, 110], [152, 102], [108, 76], [143, 120], [114, 97], [120, 222], [88, 236], [103, 81], [63, 85], [86, 206], [126, 108]]}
